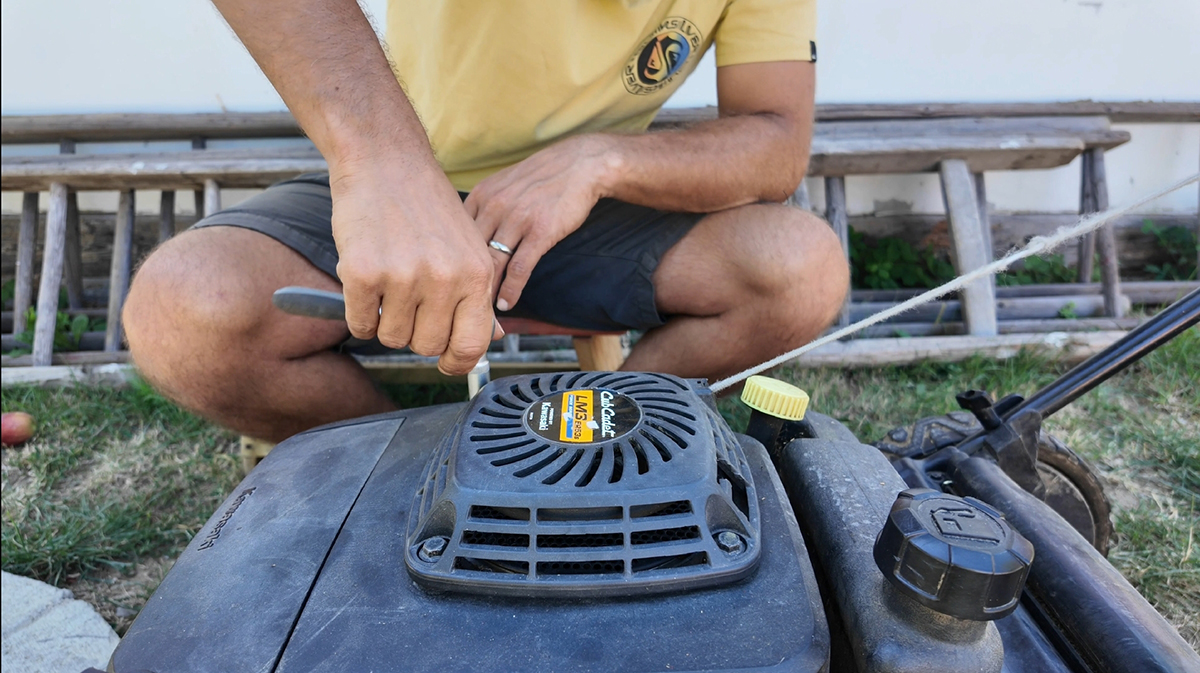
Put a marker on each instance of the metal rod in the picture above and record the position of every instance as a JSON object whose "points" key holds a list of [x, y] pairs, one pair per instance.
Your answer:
{"points": [[1160, 329]]}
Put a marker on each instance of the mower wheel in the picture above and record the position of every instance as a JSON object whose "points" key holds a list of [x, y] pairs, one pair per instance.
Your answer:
{"points": [[1074, 490]]}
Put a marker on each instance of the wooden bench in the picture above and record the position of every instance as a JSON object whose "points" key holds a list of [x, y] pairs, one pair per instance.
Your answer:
{"points": [[960, 150]]}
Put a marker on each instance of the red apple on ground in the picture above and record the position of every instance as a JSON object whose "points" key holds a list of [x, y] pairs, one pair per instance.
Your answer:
{"points": [[16, 427]]}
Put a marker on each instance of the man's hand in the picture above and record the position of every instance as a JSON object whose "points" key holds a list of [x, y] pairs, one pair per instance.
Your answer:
{"points": [[533, 205], [414, 268]]}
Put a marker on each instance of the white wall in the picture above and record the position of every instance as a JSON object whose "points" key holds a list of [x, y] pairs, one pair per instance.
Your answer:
{"points": [[178, 56]]}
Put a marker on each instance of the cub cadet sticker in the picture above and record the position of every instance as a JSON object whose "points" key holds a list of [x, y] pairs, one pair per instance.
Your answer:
{"points": [[585, 416]]}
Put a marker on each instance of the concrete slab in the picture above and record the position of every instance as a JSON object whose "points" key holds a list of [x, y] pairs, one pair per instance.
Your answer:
{"points": [[43, 629]]}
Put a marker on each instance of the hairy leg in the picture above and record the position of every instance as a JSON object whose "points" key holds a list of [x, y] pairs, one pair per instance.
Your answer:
{"points": [[202, 329], [745, 285]]}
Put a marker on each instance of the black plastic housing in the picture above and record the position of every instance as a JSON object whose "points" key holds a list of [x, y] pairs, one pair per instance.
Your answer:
{"points": [[631, 497], [307, 573]]}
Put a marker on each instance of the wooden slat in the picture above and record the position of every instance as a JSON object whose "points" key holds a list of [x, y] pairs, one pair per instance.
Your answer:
{"points": [[166, 215], [73, 269], [1015, 308], [1106, 243], [69, 375], [1072, 347], [198, 194], [1139, 292], [837, 214], [841, 148], [1093, 131], [70, 358], [1041, 326], [52, 266], [212, 197], [134, 126], [962, 211], [73, 262], [882, 155], [168, 170], [26, 245], [126, 126], [985, 221], [122, 262], [1130, 111]]}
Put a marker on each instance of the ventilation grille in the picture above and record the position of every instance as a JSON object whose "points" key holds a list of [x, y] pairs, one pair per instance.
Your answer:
{"points": [[668, 427], [639, 539]]}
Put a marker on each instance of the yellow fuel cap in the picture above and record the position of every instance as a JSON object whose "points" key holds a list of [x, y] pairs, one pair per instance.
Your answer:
{"points": [[775, 398]]}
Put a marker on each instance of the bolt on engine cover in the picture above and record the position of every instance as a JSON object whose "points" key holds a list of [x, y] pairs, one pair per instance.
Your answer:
{"points": [[585, 484]]}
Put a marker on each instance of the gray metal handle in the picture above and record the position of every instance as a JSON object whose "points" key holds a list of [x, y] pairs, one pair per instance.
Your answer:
{"points": [[313, 303], [310, 303]]}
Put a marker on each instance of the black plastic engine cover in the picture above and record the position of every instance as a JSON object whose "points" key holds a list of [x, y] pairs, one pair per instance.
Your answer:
{"points": [[585, 484], [303, 569]]}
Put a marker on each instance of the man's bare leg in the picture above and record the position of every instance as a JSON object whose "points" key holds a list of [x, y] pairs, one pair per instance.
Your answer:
{"points": [[745, 285], [202, 330]]}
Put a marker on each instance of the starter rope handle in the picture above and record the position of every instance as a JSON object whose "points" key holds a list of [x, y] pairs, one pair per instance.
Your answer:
{"points": [[1036, 246]]}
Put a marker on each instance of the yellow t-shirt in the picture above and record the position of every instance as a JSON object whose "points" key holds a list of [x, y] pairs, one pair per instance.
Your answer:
{"points": [[496, 80]]}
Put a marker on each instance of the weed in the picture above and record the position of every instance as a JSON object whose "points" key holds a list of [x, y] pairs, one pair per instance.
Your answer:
{"points": [[1179, 243], [890, 263], [68, 332], [1040, 270]]}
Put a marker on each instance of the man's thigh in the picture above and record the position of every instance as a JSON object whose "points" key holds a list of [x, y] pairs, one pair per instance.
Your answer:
{"points": [[599, 277], [746, 253]]}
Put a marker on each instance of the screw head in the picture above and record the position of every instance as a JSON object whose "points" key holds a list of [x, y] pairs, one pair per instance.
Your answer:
{"points": [[730, 542], [431, 548]]}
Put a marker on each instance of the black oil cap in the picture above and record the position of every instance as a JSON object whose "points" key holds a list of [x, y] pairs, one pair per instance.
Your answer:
{"points": [[955, 555]]}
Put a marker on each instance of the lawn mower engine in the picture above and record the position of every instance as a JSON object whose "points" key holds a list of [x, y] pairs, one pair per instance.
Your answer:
{"points": [[599, 521]]}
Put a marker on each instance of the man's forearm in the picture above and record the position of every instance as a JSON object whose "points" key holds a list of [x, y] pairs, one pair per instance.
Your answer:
{"points": [[757, 150], [325, 61], [711, 166]]}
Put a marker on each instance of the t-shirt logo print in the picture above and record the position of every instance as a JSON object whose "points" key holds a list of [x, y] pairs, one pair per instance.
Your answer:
{"points": [[662, 56]]}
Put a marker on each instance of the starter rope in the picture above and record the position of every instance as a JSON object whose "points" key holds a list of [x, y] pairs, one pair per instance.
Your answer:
{"points": [[1037, 245]]}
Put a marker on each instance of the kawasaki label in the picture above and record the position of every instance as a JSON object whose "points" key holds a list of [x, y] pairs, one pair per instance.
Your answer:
{"points": [[587, 416]]}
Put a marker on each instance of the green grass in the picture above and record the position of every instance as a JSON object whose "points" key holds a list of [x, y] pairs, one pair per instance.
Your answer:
{"points": [[111, 475], [117, 481]]}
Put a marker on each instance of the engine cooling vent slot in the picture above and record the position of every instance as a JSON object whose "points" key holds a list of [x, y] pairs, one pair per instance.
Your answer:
{"points": [[623, 426], [585, 484]]}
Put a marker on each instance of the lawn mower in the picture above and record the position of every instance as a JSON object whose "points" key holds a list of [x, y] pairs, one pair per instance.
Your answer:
{"points": [[613, 521]]}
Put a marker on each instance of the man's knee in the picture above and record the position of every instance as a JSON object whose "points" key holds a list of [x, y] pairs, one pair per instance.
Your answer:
{"points": [[182, 308], [796, 254]]}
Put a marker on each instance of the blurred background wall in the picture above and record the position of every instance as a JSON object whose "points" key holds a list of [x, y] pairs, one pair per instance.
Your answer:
{"points": [[79, 56]]}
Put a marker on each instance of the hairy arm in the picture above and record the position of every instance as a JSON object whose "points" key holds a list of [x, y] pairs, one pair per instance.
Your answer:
{"points": [[756, 151], [414, 268]]}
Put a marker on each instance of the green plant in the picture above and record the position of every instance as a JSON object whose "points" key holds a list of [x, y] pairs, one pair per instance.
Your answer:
{"points": [[1041, 271], [1067, 312], [890, 263], [1179, 243], [68, 331], [7, 291]]}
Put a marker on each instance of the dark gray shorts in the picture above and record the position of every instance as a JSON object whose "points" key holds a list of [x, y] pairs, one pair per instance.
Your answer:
{"points": [[599, 277]]}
